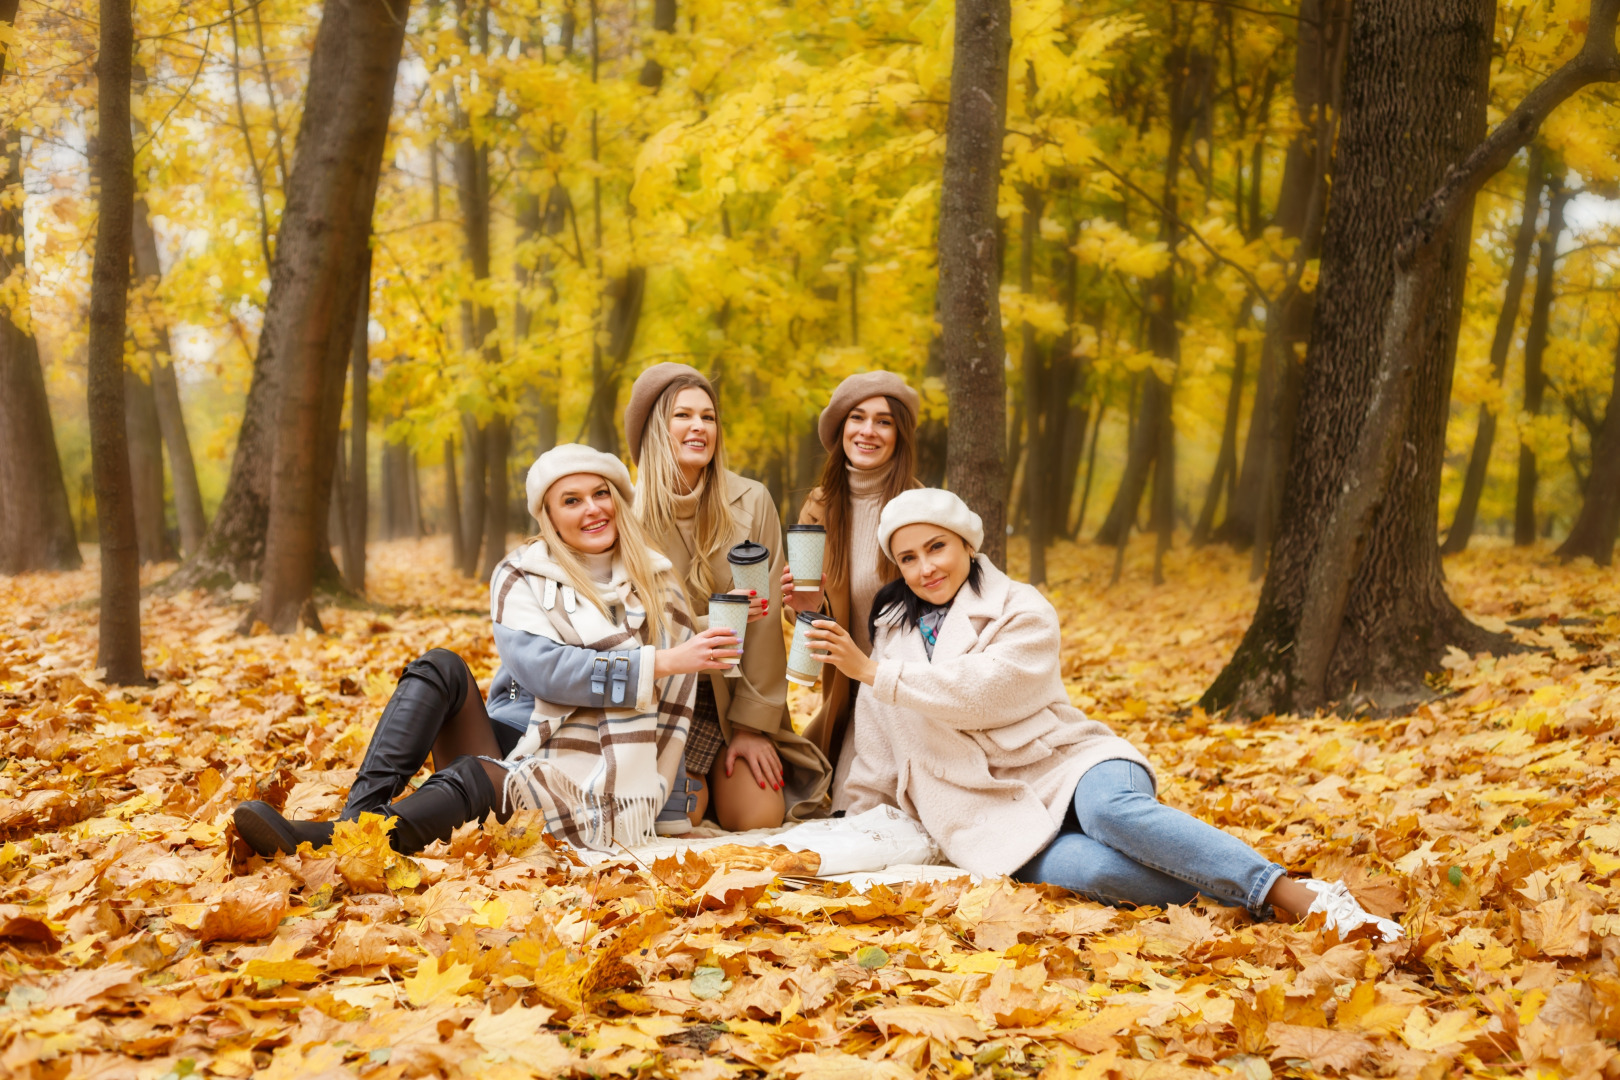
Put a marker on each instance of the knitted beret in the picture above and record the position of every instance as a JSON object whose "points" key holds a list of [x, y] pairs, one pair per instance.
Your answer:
{"points": [[856, 389], [931, 506], [568, 459], [644, 394]]}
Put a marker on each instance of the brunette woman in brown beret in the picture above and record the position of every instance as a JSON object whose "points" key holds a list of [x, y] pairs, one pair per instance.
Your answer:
{"points": [[742, 752], [869, 429]]}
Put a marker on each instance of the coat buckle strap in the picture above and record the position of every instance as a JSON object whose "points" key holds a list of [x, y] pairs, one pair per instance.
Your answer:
{"points": [[621, 678], [599, 674]]}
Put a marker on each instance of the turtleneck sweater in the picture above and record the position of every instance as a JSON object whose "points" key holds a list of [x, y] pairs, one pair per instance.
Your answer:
{"points": [[599, 567], [865, 572]]}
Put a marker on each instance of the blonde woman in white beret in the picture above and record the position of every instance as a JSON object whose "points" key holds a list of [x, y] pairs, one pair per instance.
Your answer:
{"points": [[588, 713], [963, 722]]}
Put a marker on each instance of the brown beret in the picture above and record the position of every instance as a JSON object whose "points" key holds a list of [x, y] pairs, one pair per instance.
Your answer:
{"points": [[644, 394], [856, 389]]}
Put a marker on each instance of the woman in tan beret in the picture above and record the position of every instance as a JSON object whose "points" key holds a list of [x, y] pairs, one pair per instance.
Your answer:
{"points": [[869, 429], [742, 751]]}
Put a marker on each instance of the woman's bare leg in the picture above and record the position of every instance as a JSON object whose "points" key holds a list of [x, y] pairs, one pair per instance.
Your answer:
{"points": [[740, 803]]}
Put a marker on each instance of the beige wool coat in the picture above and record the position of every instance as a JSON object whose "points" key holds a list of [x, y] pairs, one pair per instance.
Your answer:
{"points": [[758, 698], [980, 744]]}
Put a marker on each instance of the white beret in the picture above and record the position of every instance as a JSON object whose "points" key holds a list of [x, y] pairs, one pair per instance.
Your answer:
{"points": [[568, 459], [930, 506]]}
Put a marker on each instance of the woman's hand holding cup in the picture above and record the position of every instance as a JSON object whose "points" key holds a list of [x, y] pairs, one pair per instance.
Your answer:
{"points": [[794, 600], [758, 606], [833, 645], [712, 650]]}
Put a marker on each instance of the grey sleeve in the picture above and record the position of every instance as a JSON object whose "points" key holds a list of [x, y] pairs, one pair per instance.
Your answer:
{"points": [[567, 674]]}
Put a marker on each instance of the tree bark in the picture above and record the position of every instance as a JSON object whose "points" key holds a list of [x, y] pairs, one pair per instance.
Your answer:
{"points": [[1355, 595], [1462, 522], [357, 504], [119, 648], [188, 508], [1593, 534], [1318, 80], [972, 347], [471, 502], [452, 502], [36, 524], [314, 291], [145, 469], [1226, 456], [1535, 348], [1036, 465]]}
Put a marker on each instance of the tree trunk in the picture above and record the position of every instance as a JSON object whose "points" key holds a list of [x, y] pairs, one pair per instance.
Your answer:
{"points": [[358, 495], [472, 493], [1355, 596], [1226, 456], [1422, 70], [663, 22], [497, 447], [36, 524], [314, 290], [1140, 442], [1302, 197], [1462, 523], [188, 508], [972, 346], [607, 369], [1593, 534], [119, 648], [145, 469], [1036, 465], [452, 502], [1535, 347]]}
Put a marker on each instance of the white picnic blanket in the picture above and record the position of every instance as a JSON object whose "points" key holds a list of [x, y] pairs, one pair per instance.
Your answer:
{"points": [[883, 846]]}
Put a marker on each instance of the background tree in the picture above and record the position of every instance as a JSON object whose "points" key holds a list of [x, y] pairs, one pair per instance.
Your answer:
{"points": [[972, 346], [119, 649], [1593, 534], [315, 283]]}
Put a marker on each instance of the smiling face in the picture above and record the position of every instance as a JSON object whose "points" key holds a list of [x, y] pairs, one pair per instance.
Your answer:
{"points": [[693, 431], [869, 434], [582, 511], [933, 560]]}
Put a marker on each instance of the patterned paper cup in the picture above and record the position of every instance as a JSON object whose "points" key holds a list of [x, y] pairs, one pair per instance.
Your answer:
{"points": [[730, 611], [802, 667], [751, 567], [806, 548]]}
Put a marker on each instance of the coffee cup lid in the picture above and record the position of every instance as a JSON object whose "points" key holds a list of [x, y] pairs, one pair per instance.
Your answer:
{"points": [[813, 617], [727, 598], [748, 553], [807, 528]]}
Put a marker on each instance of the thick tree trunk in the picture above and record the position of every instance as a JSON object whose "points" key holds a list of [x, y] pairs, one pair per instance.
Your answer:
{"points": [[358, 494], [1535, 347], [119, 648], [471, 502], [1593, 535], [188, 508], [1524, 241], [314, 291], [146, 469], [1421, 71], [972, 347], [36, 524], [1301, 201]]}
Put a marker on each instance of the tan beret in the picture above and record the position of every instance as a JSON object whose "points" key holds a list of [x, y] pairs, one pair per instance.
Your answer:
{"points": [[856, 389], [644, 394]]}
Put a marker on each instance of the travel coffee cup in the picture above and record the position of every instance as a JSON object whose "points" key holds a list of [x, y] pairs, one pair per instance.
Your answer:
{"points": [[751, 567], [802, 667], [730, 610], [806, 547]]}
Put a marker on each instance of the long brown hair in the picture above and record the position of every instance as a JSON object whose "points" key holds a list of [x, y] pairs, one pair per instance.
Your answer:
{"points": [[835, 493]]}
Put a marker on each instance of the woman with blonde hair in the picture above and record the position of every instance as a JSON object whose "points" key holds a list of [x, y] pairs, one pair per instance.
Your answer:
{"points": [[743, 755], [588, 713], [869, 429]]}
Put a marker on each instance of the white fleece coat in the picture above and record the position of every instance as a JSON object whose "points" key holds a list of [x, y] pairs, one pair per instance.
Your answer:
{"points": [[980, 743]]}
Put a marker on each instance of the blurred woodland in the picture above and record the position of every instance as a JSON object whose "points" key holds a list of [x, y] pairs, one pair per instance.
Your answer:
{"points": [[379, 256]]}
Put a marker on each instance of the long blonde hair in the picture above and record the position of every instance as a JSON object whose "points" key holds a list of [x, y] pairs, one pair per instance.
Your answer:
{"points": [[658, 478], [650, 585]]}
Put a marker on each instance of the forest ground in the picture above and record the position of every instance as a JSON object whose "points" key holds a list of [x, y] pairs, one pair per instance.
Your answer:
{"points": [[135, 940]]}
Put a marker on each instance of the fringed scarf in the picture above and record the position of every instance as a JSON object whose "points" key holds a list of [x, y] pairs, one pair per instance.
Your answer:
{"points": [[600, 775]]}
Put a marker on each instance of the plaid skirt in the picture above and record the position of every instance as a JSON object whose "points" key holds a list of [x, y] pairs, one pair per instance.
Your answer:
{"points": [[703, 739]]}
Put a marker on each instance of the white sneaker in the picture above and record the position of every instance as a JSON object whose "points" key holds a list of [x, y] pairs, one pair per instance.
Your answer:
{"points": [[1344, 913]]}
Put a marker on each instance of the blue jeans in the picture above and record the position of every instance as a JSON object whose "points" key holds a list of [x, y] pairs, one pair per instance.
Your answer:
{"points": [[1121, 845]]}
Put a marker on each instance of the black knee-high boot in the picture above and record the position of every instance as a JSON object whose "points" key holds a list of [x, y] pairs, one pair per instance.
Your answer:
{"points": [[432, 689]]}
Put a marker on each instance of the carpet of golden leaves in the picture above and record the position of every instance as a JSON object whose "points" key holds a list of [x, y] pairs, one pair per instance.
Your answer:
{"points": [[136, 940]]}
